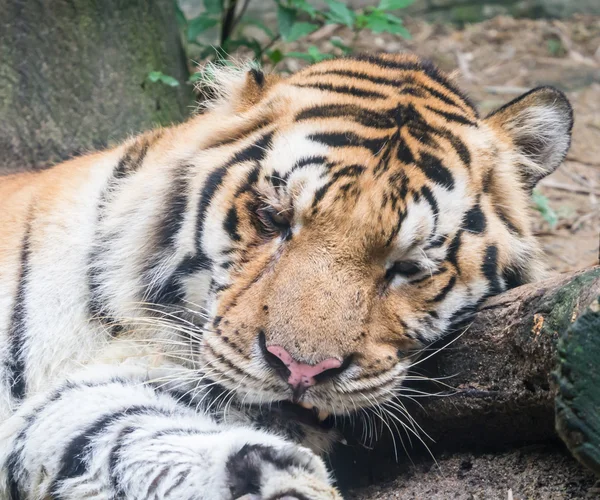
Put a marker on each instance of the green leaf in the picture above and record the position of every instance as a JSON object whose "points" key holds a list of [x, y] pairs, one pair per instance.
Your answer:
{"points": [[170, 81], [339, 13], [275, 56], [380, 22], [199, 25], [337, 42], [154, 76], [300, 55], [213, 6], [304, 6], [317, 55], [361, 21], [299, 30], [394, 4], [159, 76], [285, 20], [542, 205]]}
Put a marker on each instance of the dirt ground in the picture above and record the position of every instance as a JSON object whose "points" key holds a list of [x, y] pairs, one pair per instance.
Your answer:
{"points": [[533, 473], [497, 60]]}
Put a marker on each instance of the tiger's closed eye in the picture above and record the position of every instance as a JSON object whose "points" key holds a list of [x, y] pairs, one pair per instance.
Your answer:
{"points": [[403, 268], [273, 221]]}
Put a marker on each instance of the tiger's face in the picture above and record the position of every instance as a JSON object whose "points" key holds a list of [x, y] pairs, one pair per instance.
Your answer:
{"points": [[361, 209]]}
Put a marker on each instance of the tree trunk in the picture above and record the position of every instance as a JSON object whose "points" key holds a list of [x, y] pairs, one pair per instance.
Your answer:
{"points": [[502, 366], [73, 76]]}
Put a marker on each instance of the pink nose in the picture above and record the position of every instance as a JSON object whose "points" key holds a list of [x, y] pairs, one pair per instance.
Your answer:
{"points": [[302, 375]]}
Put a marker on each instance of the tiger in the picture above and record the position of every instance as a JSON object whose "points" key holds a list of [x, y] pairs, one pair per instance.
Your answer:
{"points": [[185, 315]]}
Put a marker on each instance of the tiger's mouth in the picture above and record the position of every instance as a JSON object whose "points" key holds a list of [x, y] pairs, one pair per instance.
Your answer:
{"points": [[304, 413]]}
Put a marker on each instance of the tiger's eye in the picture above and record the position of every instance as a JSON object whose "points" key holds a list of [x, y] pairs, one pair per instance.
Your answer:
{"points": [[278, 218], [403, 268], [273, 221]]}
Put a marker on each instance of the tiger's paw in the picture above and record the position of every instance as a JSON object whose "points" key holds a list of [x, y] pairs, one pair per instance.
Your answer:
{"points": [[288, 472]]}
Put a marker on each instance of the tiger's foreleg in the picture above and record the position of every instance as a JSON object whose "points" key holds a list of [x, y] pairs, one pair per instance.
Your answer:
{"points": [[108, 434]]}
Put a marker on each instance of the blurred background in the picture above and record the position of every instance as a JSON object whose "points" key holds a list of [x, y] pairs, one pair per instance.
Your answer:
{"points": [[79, 75]]}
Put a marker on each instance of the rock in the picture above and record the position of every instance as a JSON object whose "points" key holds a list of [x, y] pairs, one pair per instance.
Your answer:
{"points": [[578, 380]]}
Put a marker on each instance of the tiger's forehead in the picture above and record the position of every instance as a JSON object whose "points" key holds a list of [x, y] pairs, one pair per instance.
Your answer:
{"points": [[338, 167]]}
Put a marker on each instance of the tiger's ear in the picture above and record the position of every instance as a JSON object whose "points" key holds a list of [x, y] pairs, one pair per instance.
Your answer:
{"points": [[236, 88], [254, 88], [539, 124]]}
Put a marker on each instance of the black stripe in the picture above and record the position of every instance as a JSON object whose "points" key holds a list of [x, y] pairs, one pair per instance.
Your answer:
{"points": [[168, 227], [258, 75], [514, 276], [113, 458], [363, 116], [407, 116], [348, 139], [74, 461], [320, 193], [175, 207], [441, 270], [437, 242], [309, 160], [404, 153], [397, 83], [244, 472], [460, 147], [444, 291], [129, 163], [254, 152], [230, 225], [463, 314], [348, 171], [453, 117], [474, 220], [133, 158], [343, 89], [430, 198], [506, 221], [424, 66], [16, 332], [12, 467], [453, 248], [434, 169], [489, 268]]}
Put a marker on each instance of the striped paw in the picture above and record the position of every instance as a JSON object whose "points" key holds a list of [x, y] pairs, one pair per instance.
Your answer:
{"points": [[288, 472]]}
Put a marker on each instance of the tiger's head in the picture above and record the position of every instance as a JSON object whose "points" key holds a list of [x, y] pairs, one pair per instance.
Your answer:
{"points": [[358, 210]]}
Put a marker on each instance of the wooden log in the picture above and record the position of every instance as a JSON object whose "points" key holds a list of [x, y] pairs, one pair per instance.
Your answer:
{"points": [[501, 366], [578, 381]]}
